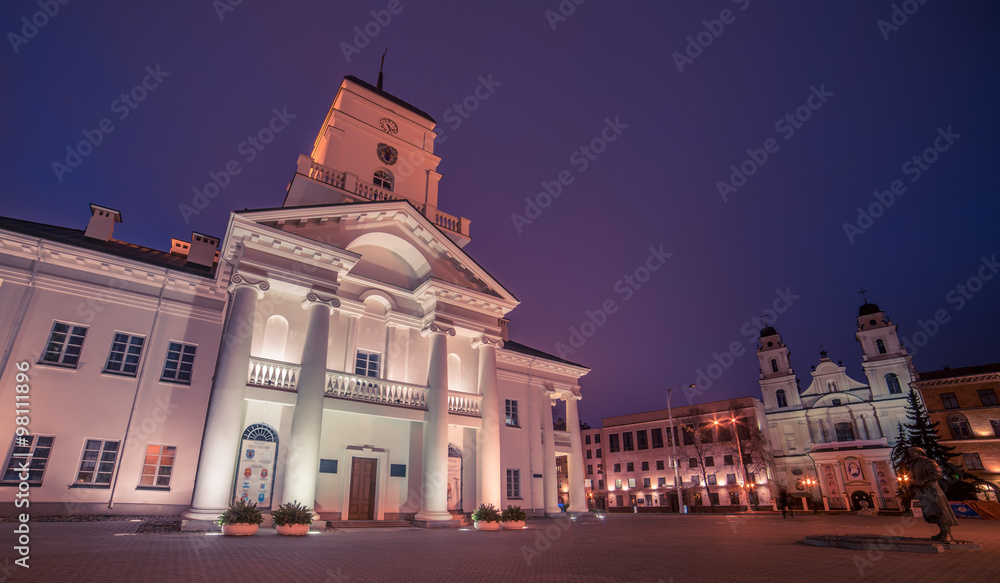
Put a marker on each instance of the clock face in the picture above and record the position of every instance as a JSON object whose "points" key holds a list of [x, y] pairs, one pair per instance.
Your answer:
{"points": [[388, 126], [387, 154]]}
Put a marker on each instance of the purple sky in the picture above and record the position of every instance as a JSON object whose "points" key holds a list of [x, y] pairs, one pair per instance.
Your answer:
{"points": [[885, 94]]}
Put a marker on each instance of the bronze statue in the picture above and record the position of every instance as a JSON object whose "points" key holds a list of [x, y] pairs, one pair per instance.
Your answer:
{"points": [[925, 474]]}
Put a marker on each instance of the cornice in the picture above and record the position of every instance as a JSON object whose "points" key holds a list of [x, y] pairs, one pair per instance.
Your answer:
{"points": [[976, 378]]}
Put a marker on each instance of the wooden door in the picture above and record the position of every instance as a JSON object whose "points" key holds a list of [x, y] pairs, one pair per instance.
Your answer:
{"points": [[362, 501]]}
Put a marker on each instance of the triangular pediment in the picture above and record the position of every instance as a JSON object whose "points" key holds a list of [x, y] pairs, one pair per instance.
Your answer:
{"points": [[398, 246]]}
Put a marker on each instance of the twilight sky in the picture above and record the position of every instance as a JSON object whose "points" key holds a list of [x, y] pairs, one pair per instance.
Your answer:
{"points": [[717, 177]]}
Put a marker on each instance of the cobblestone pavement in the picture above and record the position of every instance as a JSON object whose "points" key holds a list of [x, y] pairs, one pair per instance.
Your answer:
{"points": [[618, 548]]}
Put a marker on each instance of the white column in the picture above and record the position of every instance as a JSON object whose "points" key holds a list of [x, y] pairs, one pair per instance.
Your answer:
{"points": [[302, 467], [577, 492], [549, 483], [350, 350], [434, 505], [220, 446], [488, 462]]}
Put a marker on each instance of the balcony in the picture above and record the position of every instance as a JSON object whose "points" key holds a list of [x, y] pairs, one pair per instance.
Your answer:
{"points": [[561, 438], [367, 191], [272, 374]]}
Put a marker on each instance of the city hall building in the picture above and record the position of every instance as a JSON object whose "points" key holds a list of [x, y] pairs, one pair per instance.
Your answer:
{"points": [[340, 350]]}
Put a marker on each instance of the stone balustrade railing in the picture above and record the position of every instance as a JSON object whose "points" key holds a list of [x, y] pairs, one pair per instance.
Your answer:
{"points": [[464, 403], [358, 388], [272, 374]]}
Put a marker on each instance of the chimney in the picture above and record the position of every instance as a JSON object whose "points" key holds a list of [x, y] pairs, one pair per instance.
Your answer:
{"points": [[504, 334], [102, 223], [202, 250]]}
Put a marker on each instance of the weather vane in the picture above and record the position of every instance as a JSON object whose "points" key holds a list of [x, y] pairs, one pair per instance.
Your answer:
{"points": [[862, 292]]}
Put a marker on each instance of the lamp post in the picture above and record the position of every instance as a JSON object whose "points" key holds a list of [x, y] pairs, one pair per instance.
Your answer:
{"points": [[739, 451], [809, 482], [673, 442]]}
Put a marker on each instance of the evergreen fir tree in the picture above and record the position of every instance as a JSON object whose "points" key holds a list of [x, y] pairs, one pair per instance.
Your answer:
{"points": [[899, 457], [922, 433]]}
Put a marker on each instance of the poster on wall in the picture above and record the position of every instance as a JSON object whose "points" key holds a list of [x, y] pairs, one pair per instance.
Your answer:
{"points": [[454, 483], [255, 476]]}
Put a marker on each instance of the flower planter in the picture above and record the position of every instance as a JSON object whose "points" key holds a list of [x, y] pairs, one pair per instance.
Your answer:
{"points": [[481, 525], [239, 529], [292, 529], [513, 525]]}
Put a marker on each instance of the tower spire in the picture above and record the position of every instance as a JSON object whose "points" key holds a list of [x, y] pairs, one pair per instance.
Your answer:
{"points": [[379, 84]]}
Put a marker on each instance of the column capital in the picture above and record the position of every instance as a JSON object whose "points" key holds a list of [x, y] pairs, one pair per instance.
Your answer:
{"points": [[313, 298], [484, 340], [437, 328], [570, 397], [238, 280]]}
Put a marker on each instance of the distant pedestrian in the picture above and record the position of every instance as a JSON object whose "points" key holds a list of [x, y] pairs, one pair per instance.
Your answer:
{"points": [[785, 503]]}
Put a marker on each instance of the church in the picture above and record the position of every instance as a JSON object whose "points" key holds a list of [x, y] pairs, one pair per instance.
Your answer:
{"points": [[341, 350], [832, 440]]}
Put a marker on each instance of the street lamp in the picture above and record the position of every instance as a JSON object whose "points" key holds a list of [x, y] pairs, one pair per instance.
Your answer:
{"points": [[673, 441], [809, 482], [739, 450]]}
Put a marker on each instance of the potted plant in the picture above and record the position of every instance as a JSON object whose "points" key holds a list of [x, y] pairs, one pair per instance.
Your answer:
{"points": [[486, 517], [292, 518], [513, 517], [241, 518]]}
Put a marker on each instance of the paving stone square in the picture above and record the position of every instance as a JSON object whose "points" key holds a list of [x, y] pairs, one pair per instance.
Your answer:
{"points": [[617, 548]]}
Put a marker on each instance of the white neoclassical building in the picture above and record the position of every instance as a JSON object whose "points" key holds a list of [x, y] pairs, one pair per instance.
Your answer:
{"points": [[838, 431], [341, 350]]}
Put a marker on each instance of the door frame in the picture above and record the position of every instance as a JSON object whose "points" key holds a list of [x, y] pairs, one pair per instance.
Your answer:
{"points": [[381, 477]]}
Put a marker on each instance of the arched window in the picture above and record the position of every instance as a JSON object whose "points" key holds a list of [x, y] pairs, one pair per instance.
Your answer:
{"points": [[892, 381], [275, 336], [382, 179], [454, 372], [959, 426], [774, 365], [880, 345], [780, 396]]}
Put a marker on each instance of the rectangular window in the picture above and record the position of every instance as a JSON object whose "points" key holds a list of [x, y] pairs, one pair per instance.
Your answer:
{"points": [[620, 500], [126, 349], [368, 364], [158, 466], [627, 444], [613, 446], [590, 469], [629, 467], [688, 431], [693, 462], [972, 461], [725, 433], [734, 498], [618, 468], [730, 479], [590, 454], [618, 484], [64, 345], [641, 440], [513, 483], [844, 432], [587, 483], [727, 460], [645, 466], [645, 482], [790, 442], [631, 482], [697, 499], [98, 462], [586, 438], [995, 423], [656, 435], [711, 480], [714, 497], [671, 435], [707, 436], [661, 481], [180, 360], [510, 409], [649, 499], [600, 468], [31, 451], [709, 461], [600, 484], [988, 397], [659, 464], [598, 453], [748, 459], [597, 438], [949, 401], [742, 429], [695, 479]]}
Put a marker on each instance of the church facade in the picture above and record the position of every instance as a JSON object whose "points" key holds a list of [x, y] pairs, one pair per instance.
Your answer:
{"points": [[832, 440], [341, 350]]}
